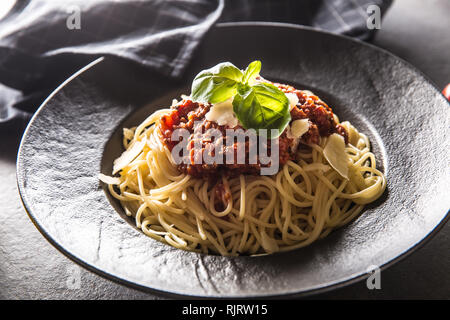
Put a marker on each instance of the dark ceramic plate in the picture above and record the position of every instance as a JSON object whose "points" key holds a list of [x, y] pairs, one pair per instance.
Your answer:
{"points": [[76, 134]]}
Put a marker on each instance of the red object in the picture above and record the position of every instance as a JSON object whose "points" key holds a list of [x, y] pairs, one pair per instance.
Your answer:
{"points": [[446, 92]]}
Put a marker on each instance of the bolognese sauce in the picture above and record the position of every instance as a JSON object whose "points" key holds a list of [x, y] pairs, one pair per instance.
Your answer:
{"points": [[188, 114]]}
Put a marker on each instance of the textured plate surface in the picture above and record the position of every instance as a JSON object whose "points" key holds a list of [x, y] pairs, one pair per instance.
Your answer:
{"points": [[76, 134]]}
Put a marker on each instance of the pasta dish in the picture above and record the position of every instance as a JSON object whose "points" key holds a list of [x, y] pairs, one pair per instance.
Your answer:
{"points": [[244, 166]]}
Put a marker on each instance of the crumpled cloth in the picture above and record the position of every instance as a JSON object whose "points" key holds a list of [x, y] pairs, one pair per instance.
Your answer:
{"points": [[42, 42]]}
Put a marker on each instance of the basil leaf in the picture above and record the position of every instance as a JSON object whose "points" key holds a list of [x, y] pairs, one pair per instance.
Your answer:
{"points": [[262, 106], [216, 84], [257, 106], [252, 72]]}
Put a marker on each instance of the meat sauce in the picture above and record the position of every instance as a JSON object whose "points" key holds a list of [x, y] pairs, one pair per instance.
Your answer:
{"points": [[184, 114]]}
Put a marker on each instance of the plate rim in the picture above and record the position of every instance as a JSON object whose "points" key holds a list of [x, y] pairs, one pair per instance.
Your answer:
{"points": [[147, 289]]}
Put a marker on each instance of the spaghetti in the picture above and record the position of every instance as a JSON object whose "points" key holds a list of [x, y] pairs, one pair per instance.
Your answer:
{"points": [[303, 202]]}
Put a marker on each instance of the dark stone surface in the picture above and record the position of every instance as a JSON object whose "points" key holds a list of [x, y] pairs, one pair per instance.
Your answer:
{"points": [[31, 268], [69, 141]]}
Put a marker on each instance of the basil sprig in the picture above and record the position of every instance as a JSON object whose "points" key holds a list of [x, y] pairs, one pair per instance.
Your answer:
{"points": [[256, 105]]}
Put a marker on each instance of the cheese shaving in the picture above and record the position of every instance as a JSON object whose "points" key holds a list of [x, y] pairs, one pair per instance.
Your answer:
{"points": [[293, 100], [299, 127], [269, 244], [128, 156], [108, 179], [334, 153], [223, 114]]}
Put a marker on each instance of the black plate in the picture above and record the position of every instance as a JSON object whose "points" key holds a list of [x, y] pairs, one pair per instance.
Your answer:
{"points": [[76, 134]]}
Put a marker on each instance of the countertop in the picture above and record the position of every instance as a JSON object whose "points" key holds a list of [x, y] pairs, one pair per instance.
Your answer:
{"points": [[31, 268]]}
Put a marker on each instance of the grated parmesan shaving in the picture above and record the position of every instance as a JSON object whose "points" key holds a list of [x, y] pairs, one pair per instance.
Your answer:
{"points": [[108, 179], [334, 153], [128, 156]]}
